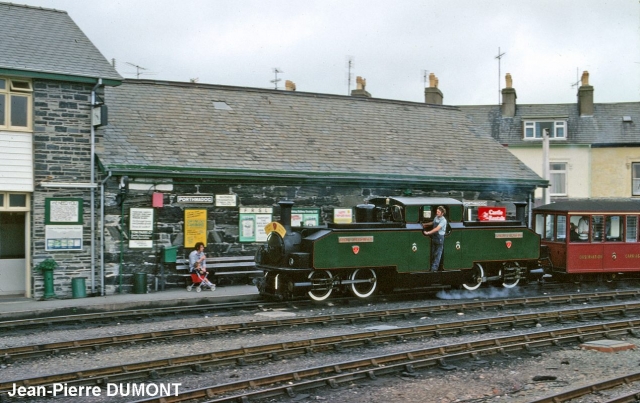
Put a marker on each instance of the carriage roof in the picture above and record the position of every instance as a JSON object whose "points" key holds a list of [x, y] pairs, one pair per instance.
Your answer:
{"points": [[592, 206]]}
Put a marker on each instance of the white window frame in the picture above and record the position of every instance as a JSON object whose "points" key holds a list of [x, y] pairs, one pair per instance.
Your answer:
{"points": [[559, 172], [635, 181], [531, 130], [16, 87], [5, 206]]}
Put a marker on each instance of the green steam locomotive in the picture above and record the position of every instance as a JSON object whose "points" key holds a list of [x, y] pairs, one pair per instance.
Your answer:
{"points": [[388, 247]]}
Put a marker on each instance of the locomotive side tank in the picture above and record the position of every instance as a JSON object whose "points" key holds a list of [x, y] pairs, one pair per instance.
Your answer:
{"points": [[386, 247]]}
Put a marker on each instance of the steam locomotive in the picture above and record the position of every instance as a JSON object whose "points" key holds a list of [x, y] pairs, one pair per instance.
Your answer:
{"points": [[387, 247]]}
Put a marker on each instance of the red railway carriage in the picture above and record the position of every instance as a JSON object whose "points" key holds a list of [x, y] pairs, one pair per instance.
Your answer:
{"points": [[591, 236]]}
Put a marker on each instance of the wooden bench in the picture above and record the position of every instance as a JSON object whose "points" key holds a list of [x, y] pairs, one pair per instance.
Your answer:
{"points": [[224, 266]]}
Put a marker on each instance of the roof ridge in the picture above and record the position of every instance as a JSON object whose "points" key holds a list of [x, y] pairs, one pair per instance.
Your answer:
{"points": [[2, 3], [223, 87]]}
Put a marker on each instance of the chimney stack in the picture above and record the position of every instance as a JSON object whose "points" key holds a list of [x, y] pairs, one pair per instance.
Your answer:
{"points": [[289, 85], [508, 107], [432, 94], [585, 96], [360, 91]]}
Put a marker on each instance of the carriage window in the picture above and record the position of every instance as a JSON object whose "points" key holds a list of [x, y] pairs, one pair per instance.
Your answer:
{"points": [[549, 228], [598, 228], [613, 226], [632, 228], [561, 225]]}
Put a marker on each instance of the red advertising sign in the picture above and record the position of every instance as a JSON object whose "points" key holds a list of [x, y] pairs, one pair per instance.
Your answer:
{"points": [[492, 213]]}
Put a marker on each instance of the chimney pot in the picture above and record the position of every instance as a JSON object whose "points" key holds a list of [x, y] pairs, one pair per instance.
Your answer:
{"points": [[361, 84], [585, 78], [290, 85]]}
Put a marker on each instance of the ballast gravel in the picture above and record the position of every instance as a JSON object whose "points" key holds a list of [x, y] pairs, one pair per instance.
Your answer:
{"points": [[495, 378]]}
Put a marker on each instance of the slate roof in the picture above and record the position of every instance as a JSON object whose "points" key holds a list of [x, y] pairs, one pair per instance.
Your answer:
{"points": [[604, 128], [44, 40], [178, 128]]}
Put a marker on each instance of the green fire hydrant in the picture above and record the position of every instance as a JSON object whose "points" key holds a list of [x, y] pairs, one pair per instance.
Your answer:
{"points": [[46, 267], [48, 283]]}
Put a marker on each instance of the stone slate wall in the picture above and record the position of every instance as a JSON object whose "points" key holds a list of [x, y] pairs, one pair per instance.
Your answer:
{"points": [[62, 153], [223, 222]]}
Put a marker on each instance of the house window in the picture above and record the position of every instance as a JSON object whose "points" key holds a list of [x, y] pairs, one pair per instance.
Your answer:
{"points": [[15, 104], [635, 180], [557, 129], [558, 178], [14, 201]]}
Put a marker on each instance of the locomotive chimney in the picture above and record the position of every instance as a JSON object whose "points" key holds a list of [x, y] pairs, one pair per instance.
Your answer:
{"points": [[285, 214], [432, 95], [520, 212]]}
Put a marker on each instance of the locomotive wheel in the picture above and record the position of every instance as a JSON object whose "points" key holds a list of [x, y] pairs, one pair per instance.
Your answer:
{"points": [[476, 279], [322, 285], [509, 282], [363, 290]]}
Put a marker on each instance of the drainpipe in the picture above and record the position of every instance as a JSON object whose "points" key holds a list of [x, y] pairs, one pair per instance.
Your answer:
{"points": [[93, 191], [102, 233], [545, 165]]}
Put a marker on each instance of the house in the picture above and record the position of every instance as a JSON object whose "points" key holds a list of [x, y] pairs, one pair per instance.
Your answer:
{"points": [[594, 148], [51, 76]]}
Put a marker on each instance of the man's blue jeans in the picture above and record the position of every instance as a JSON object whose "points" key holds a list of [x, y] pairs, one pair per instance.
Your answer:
{"points": [[437, 245]]}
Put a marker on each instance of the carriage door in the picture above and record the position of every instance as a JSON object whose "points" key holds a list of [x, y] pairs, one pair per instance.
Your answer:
{"points": [[620, 246], [12, 253]]}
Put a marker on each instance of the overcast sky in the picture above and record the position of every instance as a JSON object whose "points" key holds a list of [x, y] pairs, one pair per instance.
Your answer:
{"points": [[546, 44]]}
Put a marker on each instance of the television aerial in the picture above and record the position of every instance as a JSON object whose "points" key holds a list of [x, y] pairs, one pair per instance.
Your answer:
{"points": [[139, 70], [276, 80]]}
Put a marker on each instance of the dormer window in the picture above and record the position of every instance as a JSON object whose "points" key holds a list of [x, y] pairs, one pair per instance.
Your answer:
{"points": [[533, 129]]}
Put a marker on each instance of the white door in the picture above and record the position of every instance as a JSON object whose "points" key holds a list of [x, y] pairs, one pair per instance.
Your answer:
{"points": [[12, 253]]}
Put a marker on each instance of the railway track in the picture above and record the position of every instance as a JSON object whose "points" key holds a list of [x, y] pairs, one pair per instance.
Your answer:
{"points": [[12, 354], [628, 381], [334, 375], [200, 362]]}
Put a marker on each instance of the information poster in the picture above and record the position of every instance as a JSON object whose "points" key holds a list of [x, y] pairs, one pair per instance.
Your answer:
{"points": [[252, 223], [195, 227], [63, 237], [305, 217], [342, 215], [226, 200], [141, 228], [63, 211]]}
